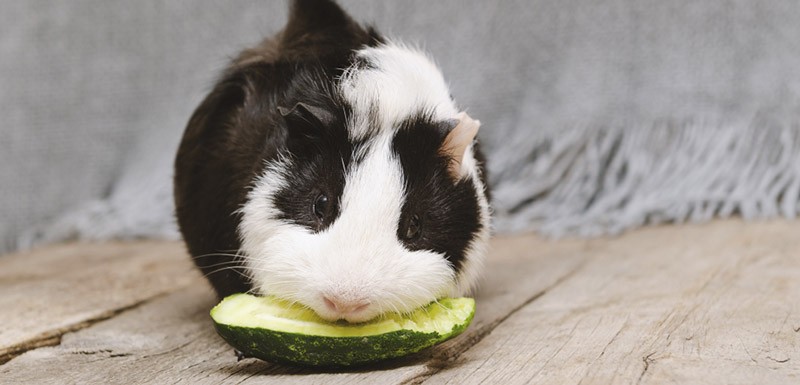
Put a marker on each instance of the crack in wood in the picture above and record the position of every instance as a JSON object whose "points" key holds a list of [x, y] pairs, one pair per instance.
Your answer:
{"points": [[439, 362], [560, 348], [53, 338], [241, 369], [647, 361], [91, 351], [264, 370], [614, 338], [747, 351], [9, 353], [170, 350], [624, 325], [779, 361]]}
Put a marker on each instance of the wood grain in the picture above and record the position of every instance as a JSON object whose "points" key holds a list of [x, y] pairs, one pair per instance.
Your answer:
{"points": [[714, 303], [53, 290], [711, 304], [171, 339]]}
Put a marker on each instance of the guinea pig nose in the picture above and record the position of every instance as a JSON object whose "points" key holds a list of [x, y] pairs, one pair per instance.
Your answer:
{"points": [[344, 306], [330, 304]]}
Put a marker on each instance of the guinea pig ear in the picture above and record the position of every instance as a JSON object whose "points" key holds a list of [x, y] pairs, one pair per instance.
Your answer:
{"points": [[306, 125], [305, 115], [457, 141], [312, 18]]}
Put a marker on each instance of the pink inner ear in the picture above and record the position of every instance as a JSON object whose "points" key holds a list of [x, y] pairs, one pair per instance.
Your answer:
{"points": [[456, 142]]}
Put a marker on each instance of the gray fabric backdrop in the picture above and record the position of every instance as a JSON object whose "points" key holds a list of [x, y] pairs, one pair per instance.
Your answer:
{"points": [[598, 116]]}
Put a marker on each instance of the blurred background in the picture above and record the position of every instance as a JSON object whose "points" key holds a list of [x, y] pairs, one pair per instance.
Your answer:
{"points": [[598, 117]]}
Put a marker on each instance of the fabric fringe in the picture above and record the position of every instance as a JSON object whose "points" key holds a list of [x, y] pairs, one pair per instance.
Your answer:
{"points": [[589, 182]]}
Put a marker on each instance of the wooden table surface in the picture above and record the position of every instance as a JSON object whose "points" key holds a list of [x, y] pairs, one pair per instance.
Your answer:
{"points": [[717, 303]]}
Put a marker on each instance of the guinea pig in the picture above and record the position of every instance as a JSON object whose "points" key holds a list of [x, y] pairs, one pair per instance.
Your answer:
{"points": [[329, 166]]}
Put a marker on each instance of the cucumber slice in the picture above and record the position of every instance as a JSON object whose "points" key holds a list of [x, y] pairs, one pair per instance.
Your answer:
{"points": [[276, 331]]}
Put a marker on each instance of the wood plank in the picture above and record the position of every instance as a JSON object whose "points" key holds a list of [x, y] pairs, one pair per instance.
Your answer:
{"points": [[171, 340], [715, 303], [53, 290]]}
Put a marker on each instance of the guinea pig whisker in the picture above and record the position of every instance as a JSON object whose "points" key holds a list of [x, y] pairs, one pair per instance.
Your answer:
{"points": [[215, 271], [220, 254], [232, 268], [292, 300], [236, 257], [444, 308], [204, 257], [392, 305], [402, 303], [236, 263], [227, 267]]}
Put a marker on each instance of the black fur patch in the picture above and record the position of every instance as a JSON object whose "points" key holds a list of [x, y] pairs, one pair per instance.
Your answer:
{"points": [[320, 154], [448, 210]]}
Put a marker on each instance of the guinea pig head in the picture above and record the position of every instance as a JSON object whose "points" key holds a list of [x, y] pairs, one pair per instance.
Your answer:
{"points": [[376, 203]]}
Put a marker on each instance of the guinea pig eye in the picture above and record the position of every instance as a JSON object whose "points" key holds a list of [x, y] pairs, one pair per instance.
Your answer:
{"points": [[414, 226], [320, 206]]}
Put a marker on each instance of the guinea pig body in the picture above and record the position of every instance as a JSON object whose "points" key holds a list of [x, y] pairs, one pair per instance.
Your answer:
{"points": [[330, 167]]}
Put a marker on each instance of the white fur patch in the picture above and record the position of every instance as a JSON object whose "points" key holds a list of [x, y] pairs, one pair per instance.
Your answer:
{"points": [[400, 81]]}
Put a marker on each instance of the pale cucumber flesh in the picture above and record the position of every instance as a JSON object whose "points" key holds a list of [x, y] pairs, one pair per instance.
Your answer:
{"points": [[249, 311]]}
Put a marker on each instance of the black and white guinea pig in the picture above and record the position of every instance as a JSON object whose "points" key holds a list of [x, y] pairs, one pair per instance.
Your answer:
{"points": [[330, 166]]}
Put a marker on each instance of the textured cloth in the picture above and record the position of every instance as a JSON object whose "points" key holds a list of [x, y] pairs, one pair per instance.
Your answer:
{"points": [[596, 116]]}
